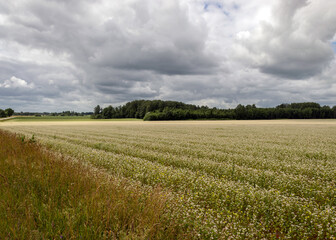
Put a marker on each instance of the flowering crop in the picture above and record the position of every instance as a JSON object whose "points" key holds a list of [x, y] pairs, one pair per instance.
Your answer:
{"points": [[240, 180]]}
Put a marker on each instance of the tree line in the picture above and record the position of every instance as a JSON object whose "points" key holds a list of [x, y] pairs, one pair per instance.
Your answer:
{"points": [[6, 113], [153, 110], [63, 113], [138, 109]]}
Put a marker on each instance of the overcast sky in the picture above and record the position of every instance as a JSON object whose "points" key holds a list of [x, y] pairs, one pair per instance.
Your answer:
{"points": [[60, 55]]}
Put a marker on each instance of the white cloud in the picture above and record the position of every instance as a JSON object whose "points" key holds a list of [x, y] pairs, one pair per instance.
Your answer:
{"points": [[15, 82], [295, 42], [243, 35]]}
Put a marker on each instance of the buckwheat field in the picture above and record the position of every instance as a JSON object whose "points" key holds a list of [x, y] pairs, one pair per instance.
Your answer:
{"points": [[225, 179]]}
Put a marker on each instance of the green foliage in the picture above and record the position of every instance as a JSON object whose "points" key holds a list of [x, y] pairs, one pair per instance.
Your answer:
{"points": [[9, 112], [170, 110], [55, 114], [6, 113], [139, 108], [97, 110], [304, 105], [2, 114]]}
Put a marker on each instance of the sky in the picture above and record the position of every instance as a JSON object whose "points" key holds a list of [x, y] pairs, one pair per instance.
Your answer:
{"points": [[58, 55]]}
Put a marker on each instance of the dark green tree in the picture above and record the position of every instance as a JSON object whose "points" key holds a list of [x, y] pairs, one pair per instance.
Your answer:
{"points": [[97, 110], [2, 114], [9, 112], [240, 112]]}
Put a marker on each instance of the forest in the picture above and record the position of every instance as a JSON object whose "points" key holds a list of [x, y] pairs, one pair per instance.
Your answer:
{"points": [[153, 110]]}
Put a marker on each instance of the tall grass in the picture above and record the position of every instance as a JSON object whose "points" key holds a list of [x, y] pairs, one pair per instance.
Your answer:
{"points": [[46, 197]]}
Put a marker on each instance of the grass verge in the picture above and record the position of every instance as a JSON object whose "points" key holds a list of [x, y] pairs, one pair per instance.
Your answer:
{"points": [[46, 197]]}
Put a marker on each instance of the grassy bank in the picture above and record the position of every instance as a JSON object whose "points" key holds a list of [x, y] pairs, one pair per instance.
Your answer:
{"points": [[47, 197]]}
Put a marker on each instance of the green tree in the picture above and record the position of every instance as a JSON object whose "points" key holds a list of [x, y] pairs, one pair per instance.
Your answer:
{"points": [[240, 112], [97, 110], [9, 112], [334, 112], [2, 114]]}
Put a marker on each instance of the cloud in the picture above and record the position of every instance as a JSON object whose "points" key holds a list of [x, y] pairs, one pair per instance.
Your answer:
{"points": [[160, 38], [15, 82], [151, 35], [294, 43], [77, 54]]}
